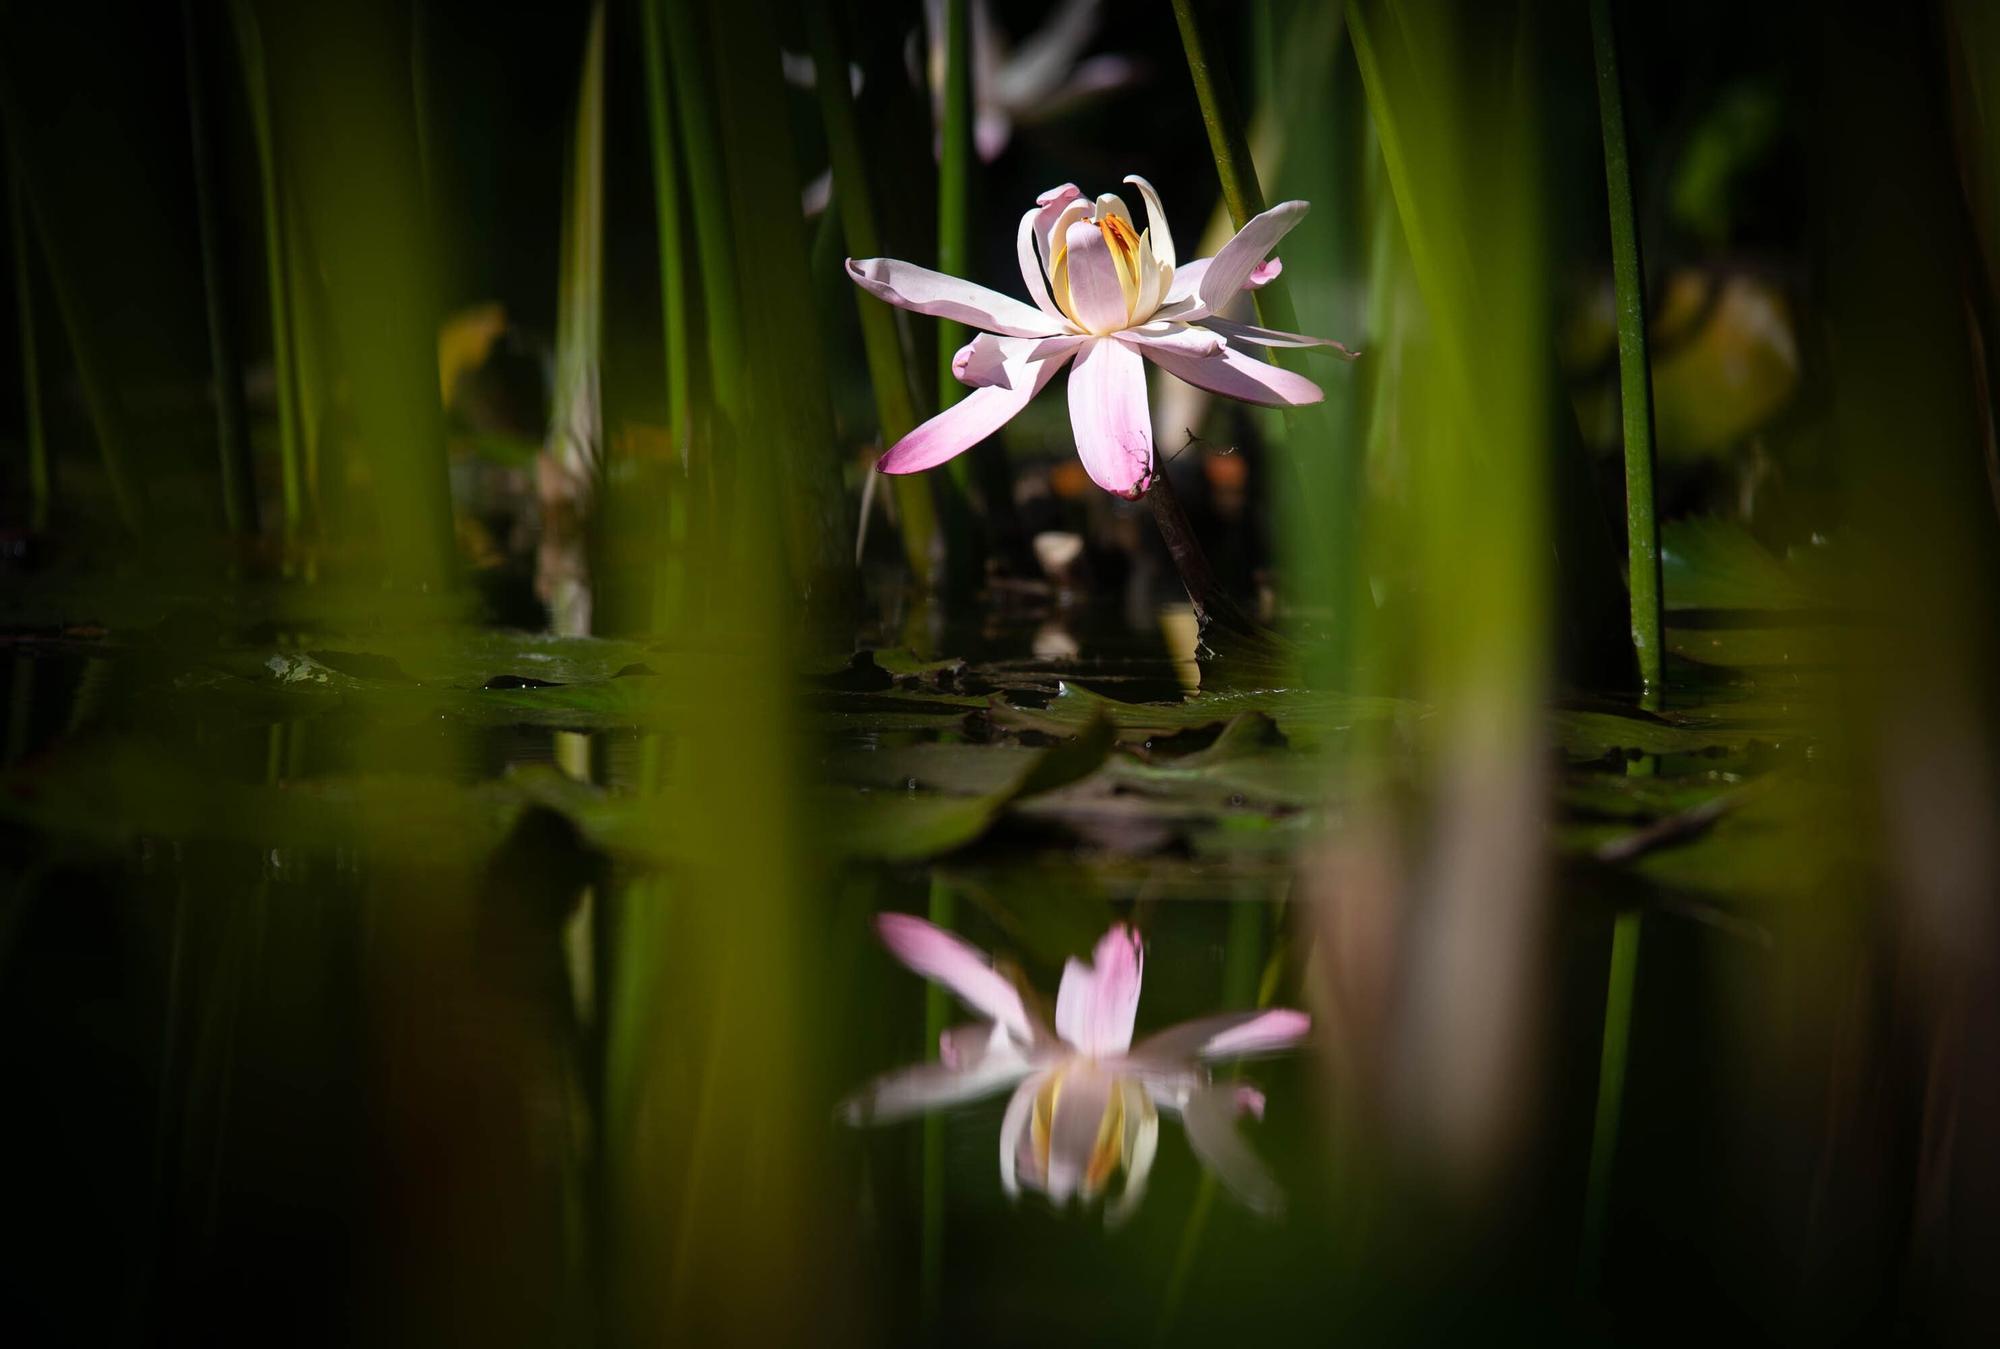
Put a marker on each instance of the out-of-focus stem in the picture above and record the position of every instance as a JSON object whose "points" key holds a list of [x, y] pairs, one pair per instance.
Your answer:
{"points": [[31, 364], [667, 208], [1635, 384], [239, 487], [709, 193], [888, 368], [250, 47]]}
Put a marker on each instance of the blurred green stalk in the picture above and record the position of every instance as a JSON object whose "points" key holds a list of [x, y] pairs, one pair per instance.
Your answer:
{"points": [[888, 367], [239, 483], [278, 275], [1635, 386], [64, 267], [667, 209], [31, 362], [708, 191], [670, 571]]}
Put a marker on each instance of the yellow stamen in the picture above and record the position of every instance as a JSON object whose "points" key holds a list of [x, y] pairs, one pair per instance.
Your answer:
{"points": [[1124, 245]]}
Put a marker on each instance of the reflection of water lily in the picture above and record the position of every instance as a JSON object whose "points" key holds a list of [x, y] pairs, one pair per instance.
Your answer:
{"points": [[1087, 1101], [1105, 295]]}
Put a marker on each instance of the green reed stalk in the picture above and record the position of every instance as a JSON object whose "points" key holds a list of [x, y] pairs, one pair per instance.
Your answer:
{"points": [[1642, 533], [667, 209], [888, 363], [790, 408], [31, 362], [708, 190], [278, 275], [1229, 143], [1610, 1092], [65, 268], [954, 181], [239, 484], [1635, 384]]}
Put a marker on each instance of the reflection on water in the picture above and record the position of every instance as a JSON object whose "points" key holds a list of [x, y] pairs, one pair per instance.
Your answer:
{"points": [[1086, 1099]]}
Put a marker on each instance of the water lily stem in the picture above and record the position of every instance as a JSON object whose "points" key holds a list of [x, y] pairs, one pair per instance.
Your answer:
{"points": [[1213, 606], [1634, 376]]}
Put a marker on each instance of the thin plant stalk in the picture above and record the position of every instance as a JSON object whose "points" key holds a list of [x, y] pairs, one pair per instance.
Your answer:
{"points": [[31, 363], [1229, 143], [64, 269], [1618, 999], [888, 366], [239, 486], [1643, 548], [667, 209], [573, 457], [1635, 385], [954, 178], [709, 192], [278, 275], [677, 333]]}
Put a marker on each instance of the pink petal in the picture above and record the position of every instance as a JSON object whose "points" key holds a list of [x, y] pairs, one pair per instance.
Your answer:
{"points": [[1210, 1120], [1095, 295], [930, 1086], [957, 964], [972, 418], [1097, 1003], [1228, 1035], [924, 291], [989, 360], [1049, 210], [1238, 259], [1270, 337], [1110, 418], [1235, 375], [1013, 1137], [1188, 275], [1249, 1101], [1182, 338]]}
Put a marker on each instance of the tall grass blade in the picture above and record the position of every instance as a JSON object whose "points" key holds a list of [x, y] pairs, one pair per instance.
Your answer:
{"points": [[279, 275], [569, 471], [239, 484], [39, 490], [344, 118], [888, 365], [1635, 380]]}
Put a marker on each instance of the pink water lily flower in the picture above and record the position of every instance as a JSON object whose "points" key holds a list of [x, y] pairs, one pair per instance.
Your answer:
{"points": [[1108, 297], [1087, 1100]]}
